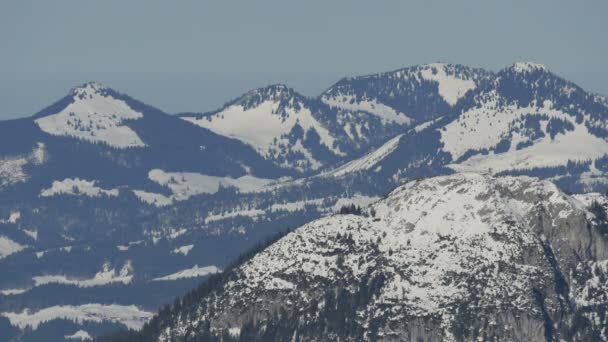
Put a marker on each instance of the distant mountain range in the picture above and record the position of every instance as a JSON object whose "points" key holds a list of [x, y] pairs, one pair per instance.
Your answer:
{"points": [[110, 207]]}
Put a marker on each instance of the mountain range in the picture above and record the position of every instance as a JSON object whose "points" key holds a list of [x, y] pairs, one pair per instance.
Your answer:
{"points": [[110, 208]]}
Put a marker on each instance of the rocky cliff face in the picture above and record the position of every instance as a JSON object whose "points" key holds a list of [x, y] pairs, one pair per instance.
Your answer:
{"points": [[460, 257]]}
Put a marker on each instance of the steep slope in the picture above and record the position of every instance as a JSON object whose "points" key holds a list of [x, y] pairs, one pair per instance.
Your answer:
{"points": [[456, 257]]}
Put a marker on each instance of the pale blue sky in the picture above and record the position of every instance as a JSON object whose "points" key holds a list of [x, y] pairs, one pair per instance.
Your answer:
{"points": [[188, 55]]}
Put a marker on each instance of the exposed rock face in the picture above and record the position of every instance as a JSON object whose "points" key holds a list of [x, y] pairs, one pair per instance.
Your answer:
{"points": [[460, 257]]}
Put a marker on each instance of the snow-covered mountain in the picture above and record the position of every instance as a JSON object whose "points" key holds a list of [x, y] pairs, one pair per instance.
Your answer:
{"points": [[521, 120], [300, 133], [409, 95], [107, 201], [279, 123], [460, 257]]}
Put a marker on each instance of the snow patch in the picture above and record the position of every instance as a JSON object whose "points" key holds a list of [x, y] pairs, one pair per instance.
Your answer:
{"points": [[129, 315], [77, 187], [80, 335], [8, 247], [187, 184], [104, 277], [183, 250], [368, 161], [190, 273], [450, 87], [385, 113]]}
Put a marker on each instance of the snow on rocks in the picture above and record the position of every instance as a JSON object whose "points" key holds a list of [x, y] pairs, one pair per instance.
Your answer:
{"points": [[94, 116], [527, 67], [438, 243]]}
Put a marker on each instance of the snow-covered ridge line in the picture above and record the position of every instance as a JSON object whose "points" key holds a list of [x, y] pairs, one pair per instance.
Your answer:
{"points": [[368, 161], [190, 273]]}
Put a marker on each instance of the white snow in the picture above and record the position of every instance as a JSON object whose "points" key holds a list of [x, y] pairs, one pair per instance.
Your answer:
{"points": [[263, 127], [384, 112], [77, 186], [234, 213], [158, 200], [104, 277], [368, 161], [577, 145], [11, 292], [186, 184], [129, 315], [94, 117], [33, 233], [11, 167], [527, 67], [80, 335], [13, 217], [412, 223], [8, 247], [425, 125], [190, 273], [451, 88], [485, 127], [183, 250]]}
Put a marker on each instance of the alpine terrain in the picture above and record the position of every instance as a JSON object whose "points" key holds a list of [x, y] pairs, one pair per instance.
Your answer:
{"points": [[110, 208], [450, 258]]}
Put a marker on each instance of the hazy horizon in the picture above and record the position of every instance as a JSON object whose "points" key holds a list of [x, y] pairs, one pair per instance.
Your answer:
{"points": [[195, 55]]}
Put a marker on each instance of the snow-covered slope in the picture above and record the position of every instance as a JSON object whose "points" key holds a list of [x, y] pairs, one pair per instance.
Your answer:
{"points": [[278, 123], [409, 95], [95, 116], [521, 120], [446, 258]]}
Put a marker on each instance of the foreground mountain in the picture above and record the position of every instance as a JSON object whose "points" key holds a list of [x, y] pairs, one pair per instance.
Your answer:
{"points": [[461, 257]]}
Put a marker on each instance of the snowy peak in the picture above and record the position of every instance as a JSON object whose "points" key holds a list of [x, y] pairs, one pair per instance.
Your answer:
{"points": [[88, 89], [282, 125], [526, 67], [93, 113]]}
